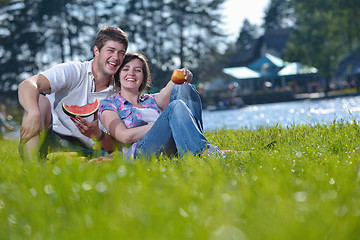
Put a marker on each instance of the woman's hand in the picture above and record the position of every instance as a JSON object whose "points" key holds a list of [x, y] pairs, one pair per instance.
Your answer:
{"points": [[188, 74], [163, 97]]}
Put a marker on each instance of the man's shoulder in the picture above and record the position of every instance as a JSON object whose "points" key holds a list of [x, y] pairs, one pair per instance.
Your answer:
{"points": [[80, 64], [74, 65]]}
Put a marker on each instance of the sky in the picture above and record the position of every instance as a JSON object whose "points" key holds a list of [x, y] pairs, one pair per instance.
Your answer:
{"points": [[235, 12]]}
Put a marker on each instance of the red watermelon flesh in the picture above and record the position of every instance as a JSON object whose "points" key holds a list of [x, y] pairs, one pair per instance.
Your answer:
{"points": [[82, 111]]}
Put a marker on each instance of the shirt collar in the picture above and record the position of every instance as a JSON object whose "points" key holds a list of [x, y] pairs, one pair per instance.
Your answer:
{"points": [[141, 98], [89, 68], [92, 79]]}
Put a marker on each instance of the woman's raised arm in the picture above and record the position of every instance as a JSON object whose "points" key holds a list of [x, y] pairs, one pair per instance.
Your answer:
{"points": [[163, 97]]}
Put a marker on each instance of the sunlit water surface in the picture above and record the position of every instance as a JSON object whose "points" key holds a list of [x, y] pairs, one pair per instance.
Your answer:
{"points": [[305, 112]]}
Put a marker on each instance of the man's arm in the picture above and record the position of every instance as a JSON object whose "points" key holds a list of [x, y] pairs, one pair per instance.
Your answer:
{"points": [[28, 92]]}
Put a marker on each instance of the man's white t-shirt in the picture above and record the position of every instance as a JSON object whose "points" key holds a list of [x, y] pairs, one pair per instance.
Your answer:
{"points": [[72, 83]]}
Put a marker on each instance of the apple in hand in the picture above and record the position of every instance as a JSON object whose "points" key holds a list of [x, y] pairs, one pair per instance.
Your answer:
{"points": [[178, 77]]}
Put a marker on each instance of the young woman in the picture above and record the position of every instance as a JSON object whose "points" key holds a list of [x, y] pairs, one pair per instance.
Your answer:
{"points": [[168, 122]]}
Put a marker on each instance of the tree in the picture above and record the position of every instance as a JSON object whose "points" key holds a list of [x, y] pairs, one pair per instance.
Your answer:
{"points": [[69, 28], [173, 33], [36, 34], [316, 40], [347, 20], [279, 14], [20, 40], [247, 33]]}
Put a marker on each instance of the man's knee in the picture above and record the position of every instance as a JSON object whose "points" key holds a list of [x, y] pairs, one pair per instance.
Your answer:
{"points": [[45, 110]]}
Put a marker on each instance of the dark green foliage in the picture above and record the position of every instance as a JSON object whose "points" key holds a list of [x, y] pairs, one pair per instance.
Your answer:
{"points": [[35, 34], [174, 34], [324, 31], [247, 34], [20, 40], [279, 14]]}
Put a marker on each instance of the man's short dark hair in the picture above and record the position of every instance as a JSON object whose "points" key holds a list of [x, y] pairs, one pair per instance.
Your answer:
{"points": [[110, 34]]}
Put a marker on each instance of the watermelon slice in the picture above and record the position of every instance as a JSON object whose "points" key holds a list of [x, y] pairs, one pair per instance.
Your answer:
{"points": [[82, 111]]}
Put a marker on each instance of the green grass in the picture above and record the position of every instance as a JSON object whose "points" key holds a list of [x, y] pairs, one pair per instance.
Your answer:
{"points": [[304, 187]]}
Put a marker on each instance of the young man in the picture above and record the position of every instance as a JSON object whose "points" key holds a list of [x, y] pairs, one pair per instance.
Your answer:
{"points": [[75, 83]]}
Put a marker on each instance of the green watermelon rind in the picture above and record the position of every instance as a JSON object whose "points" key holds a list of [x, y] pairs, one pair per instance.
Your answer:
{"points": [[74, 110]]}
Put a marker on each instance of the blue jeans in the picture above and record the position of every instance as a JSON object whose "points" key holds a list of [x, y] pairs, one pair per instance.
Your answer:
{"points": [[179, 129]]}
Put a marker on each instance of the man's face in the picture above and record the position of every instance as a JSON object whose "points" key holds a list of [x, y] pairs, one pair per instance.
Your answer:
{"points": [[110, 57]]}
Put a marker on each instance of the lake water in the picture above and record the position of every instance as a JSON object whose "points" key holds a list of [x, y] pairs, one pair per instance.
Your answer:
{"points": [[304, 112]]}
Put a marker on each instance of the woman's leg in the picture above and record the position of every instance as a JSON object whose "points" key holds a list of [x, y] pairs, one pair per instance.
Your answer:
{"points": [[175, 131], [188, 94]]}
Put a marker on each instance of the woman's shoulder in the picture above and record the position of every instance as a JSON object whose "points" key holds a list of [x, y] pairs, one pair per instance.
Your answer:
{"points": [[114, 98], [111, 103]]}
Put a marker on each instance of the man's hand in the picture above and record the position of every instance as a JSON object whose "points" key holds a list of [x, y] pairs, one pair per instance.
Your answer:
{"points": [[89, 129], [31, 125]]}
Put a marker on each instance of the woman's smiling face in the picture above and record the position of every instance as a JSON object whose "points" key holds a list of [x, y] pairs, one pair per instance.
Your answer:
{"points": [[132, 75]]}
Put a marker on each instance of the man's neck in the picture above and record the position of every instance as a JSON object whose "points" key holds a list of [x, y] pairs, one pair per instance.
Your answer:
{"points": [[101, 81]]}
